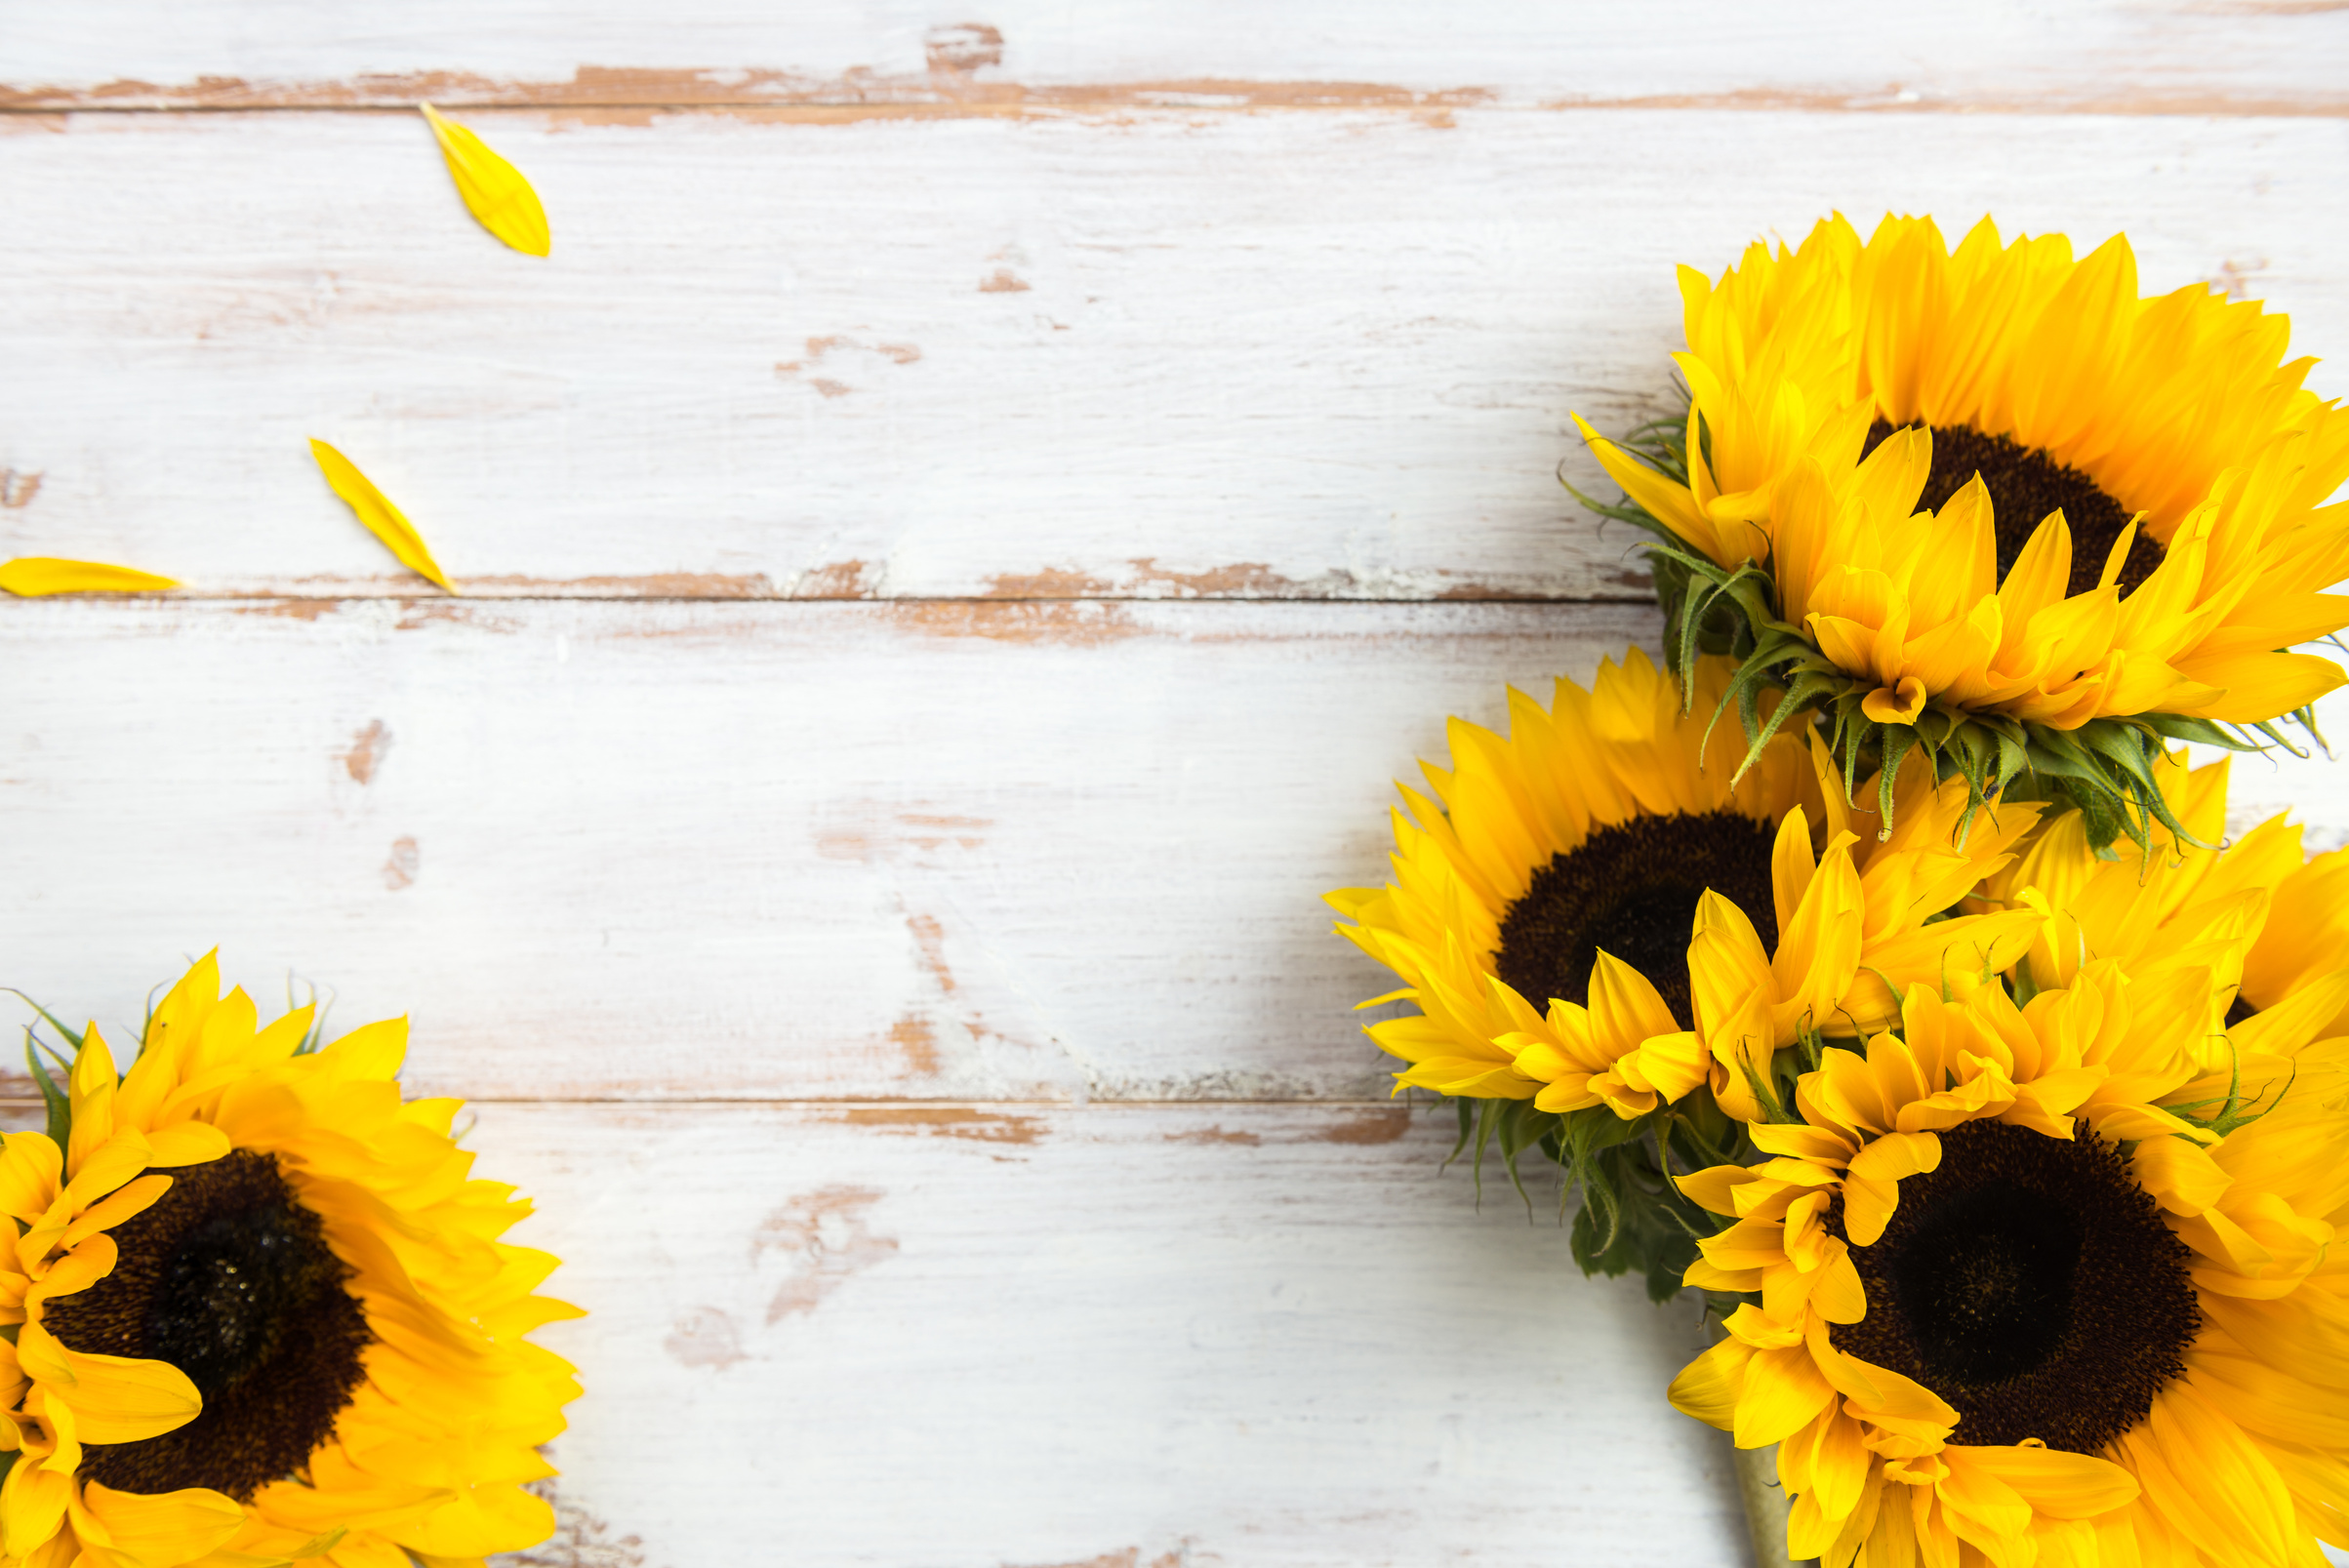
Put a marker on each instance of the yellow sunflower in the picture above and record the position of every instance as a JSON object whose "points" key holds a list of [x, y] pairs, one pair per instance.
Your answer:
{"points": [[1595, 910], [1996, 485], [2030, 1285], [2270, 925], [262, 1313]]}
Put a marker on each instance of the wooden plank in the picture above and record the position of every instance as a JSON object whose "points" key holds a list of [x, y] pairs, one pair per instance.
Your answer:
{"points": [[689, 851], [1034, 55], [750, 850], [1325, 355], [1108, 1338], [1119, 1337], [1268, 303]]}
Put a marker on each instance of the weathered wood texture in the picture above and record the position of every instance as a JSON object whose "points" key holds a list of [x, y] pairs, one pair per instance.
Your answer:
{"points": [[1010, 1334], [1320, 354], [1038, 56], [682, 851], [826, 970], [726, 850], [1119, 1335]]}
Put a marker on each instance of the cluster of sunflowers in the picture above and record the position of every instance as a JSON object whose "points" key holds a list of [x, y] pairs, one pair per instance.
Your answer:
{"points": [[257, 1312], [1919, 1015]]}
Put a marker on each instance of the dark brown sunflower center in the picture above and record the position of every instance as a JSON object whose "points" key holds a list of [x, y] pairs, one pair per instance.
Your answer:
{"points": [[2030, 1283], [2025, 484], [228, 1278], [1631, 890]]}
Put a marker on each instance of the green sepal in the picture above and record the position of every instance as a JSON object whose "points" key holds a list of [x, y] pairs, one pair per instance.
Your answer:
{"points": [[58, 1024], [1896, 741], [60, 1106], [1467, 1108], [1516, 1124], [2201, 732], [1523, 1127], [313, 1038], [2104, 769], [2233, 1112], [1475, 1160]]}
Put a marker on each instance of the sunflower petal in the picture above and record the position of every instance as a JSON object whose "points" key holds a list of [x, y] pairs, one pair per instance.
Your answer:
{"points": [[158, 1527], [492, 190], [30, 576], [1708, 1386], [2056, 1483], [375, 509], [115, 1399]]}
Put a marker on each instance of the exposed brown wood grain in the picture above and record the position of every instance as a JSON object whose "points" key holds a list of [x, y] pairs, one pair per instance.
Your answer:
{"points": [[614, 96], [860, 581], [1296, 356], [766, 92]]}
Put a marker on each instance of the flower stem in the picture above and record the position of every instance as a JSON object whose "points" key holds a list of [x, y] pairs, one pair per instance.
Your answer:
{"points": [[1766, 1505]]}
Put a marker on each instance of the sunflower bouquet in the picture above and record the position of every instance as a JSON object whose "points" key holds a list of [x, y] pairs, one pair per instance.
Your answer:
{"points": [[257, 1311], [1876, 967]]}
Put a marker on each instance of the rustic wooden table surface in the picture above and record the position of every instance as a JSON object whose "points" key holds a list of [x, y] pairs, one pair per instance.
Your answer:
{"points": [[956, 542]]}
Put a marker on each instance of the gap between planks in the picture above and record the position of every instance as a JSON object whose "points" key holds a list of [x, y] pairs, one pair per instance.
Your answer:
{"points": [[18, 1102], [621, 590], [602, 95]]}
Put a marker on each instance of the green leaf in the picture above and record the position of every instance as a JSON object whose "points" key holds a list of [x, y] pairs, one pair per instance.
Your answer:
{"points": [[1636, 1219], [1667, 1264], [1598, 1246], [1597, 1240]]}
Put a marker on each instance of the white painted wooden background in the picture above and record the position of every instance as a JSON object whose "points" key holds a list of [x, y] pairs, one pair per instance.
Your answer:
{"points": [[957, 537]]}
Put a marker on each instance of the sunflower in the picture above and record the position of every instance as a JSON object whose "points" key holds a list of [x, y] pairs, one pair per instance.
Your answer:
{"points": [[262, 1313], [2031, 1285], [1997, 497], [2271, 926], [1599, 910]]}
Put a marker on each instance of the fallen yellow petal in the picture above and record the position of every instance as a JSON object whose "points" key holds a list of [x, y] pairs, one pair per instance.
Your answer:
{"points": [[29, 575], [383, 520], [492, 187]]}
